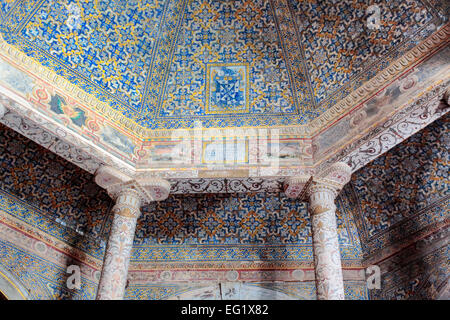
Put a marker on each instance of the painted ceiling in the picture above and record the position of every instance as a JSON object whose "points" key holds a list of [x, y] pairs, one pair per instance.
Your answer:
{"points": [[164, 64], [403, 191], [401, 205]]}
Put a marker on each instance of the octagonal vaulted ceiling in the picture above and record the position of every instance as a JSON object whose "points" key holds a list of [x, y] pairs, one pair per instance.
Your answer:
{"points": [[117, 78], [164, 64]]}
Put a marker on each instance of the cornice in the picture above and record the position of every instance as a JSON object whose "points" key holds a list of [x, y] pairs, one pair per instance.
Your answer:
{"points": [[67, 87], [370, 88], [333, 178]]}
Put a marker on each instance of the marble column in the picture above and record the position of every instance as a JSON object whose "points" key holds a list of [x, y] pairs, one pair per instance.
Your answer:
{"points": [[322, 189], [327, 259], [117, 256], [129, 193]]}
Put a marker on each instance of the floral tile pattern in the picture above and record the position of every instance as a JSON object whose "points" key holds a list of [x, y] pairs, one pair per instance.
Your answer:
{"points": [[149, 59], [406, 183]]}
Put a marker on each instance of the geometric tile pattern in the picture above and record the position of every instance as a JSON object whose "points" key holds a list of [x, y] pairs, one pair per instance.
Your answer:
{"points": [[45, 280], [111, 43], [61, 190], [149, 59], [338, 46], [231, 227], [410, 181]]}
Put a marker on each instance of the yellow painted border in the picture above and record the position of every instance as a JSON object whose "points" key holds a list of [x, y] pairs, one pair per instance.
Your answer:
{"points": [[13, 284]]}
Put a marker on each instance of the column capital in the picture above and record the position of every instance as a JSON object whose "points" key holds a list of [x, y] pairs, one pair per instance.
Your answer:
{"points": [[333, 178], [116, 183], [321, 198], [337, 175], [128, 203], [319, 186]]}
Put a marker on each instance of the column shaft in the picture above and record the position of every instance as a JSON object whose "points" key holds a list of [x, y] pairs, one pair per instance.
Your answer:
{"points": [[117, 256], [327, 260]]}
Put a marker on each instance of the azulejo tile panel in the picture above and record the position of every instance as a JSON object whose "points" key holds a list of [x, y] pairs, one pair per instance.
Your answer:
{"points": [[44, 280], [59, 189], [110, 44], [403, 191], [149, 59], [233, 227], [218, 33], [339, 47]]}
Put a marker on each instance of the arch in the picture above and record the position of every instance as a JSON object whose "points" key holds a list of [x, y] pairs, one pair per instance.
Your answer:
{"points": [[232, 290], [10, 287]]}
